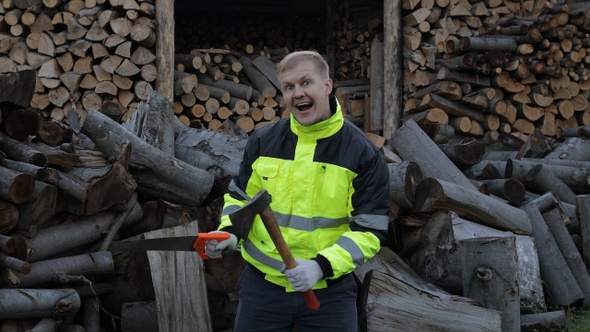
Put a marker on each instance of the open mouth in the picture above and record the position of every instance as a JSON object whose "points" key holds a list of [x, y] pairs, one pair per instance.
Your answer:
{"points": [[305, 106]]}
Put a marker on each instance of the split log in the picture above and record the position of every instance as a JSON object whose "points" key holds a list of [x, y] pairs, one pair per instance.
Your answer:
{"points": [[562, 287], [214, 152], [188, 309], [490, 275], [434, 194], [152, 121], [156, 172], [412, 144], [102, 186], [38, 303], [389, 284]]}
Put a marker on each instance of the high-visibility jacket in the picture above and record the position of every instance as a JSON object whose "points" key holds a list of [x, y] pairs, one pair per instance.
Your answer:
{"points": [[330, 193]]}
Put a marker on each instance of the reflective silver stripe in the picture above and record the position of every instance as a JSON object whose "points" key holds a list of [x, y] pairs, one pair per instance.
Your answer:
{"points": [[373, 221], [230, 209], [308, 224], [253, 251], [233, 187], [355, 252]]}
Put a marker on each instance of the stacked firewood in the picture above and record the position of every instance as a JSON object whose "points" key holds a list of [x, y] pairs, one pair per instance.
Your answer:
{"points": [[500, 68], [85, 52]]}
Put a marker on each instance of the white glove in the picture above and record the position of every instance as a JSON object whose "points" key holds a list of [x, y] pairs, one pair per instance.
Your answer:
{"points": [[305, 275], [214, 248]]}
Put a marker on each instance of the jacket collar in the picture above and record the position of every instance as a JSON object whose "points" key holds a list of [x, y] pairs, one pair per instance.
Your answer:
{"points": [[321, 129]]}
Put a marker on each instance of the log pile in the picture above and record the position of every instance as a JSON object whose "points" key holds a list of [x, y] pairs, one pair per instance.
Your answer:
{"points": [[523, 216], [497, 68], [64, 201]]}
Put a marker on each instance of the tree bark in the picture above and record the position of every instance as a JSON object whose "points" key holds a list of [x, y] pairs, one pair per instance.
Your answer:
{"points": [[392, 68], [433, 194], [52, 241], [45, 272], [38, 303], [559, 282], [568, 249], [412, 144]]}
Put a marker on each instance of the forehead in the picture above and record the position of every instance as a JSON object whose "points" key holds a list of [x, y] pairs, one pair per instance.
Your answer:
{"points": [[303, 69]]}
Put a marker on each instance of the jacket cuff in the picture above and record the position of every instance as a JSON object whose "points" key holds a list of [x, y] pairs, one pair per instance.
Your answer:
{"points": [[324, 265]]}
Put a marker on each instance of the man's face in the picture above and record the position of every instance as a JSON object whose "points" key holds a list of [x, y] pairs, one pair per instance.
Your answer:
{"points": [[305, 93]]}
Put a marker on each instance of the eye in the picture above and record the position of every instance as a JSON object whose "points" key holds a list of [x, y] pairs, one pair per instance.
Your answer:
{"points": [[306, 83]]}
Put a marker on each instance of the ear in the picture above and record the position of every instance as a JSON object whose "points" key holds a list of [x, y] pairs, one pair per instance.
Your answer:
{"points": [[329, 86]]}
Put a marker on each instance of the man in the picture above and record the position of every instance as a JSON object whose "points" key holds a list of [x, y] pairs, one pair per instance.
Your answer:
{"points": [[329, 189]]}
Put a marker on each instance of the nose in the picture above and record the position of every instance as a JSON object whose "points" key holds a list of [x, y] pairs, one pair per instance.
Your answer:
{"points": [[298, 91]]}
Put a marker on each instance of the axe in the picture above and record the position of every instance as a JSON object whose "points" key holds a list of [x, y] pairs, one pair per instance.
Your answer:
{"points": [[242, 220]]}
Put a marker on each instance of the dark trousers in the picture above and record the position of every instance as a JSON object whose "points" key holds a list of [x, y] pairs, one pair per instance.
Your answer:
{"points": [[265, 306]]}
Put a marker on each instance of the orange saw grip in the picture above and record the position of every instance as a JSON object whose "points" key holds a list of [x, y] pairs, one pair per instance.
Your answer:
{"points": [[202, 239]]}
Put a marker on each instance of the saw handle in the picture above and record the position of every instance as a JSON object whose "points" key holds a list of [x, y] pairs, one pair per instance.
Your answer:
{"points": [[270, 222], [202, 239]]}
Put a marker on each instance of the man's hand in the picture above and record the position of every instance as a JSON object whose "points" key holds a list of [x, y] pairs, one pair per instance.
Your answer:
{"points": [[214, 248], [305, 275]]}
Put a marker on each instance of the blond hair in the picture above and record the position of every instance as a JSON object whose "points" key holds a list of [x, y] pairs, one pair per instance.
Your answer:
{"points": [[295, 58]]}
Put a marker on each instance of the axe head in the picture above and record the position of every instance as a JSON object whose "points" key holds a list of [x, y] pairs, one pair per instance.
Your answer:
{"points": [[243, 218]]}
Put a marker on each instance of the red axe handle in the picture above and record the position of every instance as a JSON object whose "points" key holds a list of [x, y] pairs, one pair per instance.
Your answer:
{"points": [[270, 222]]}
